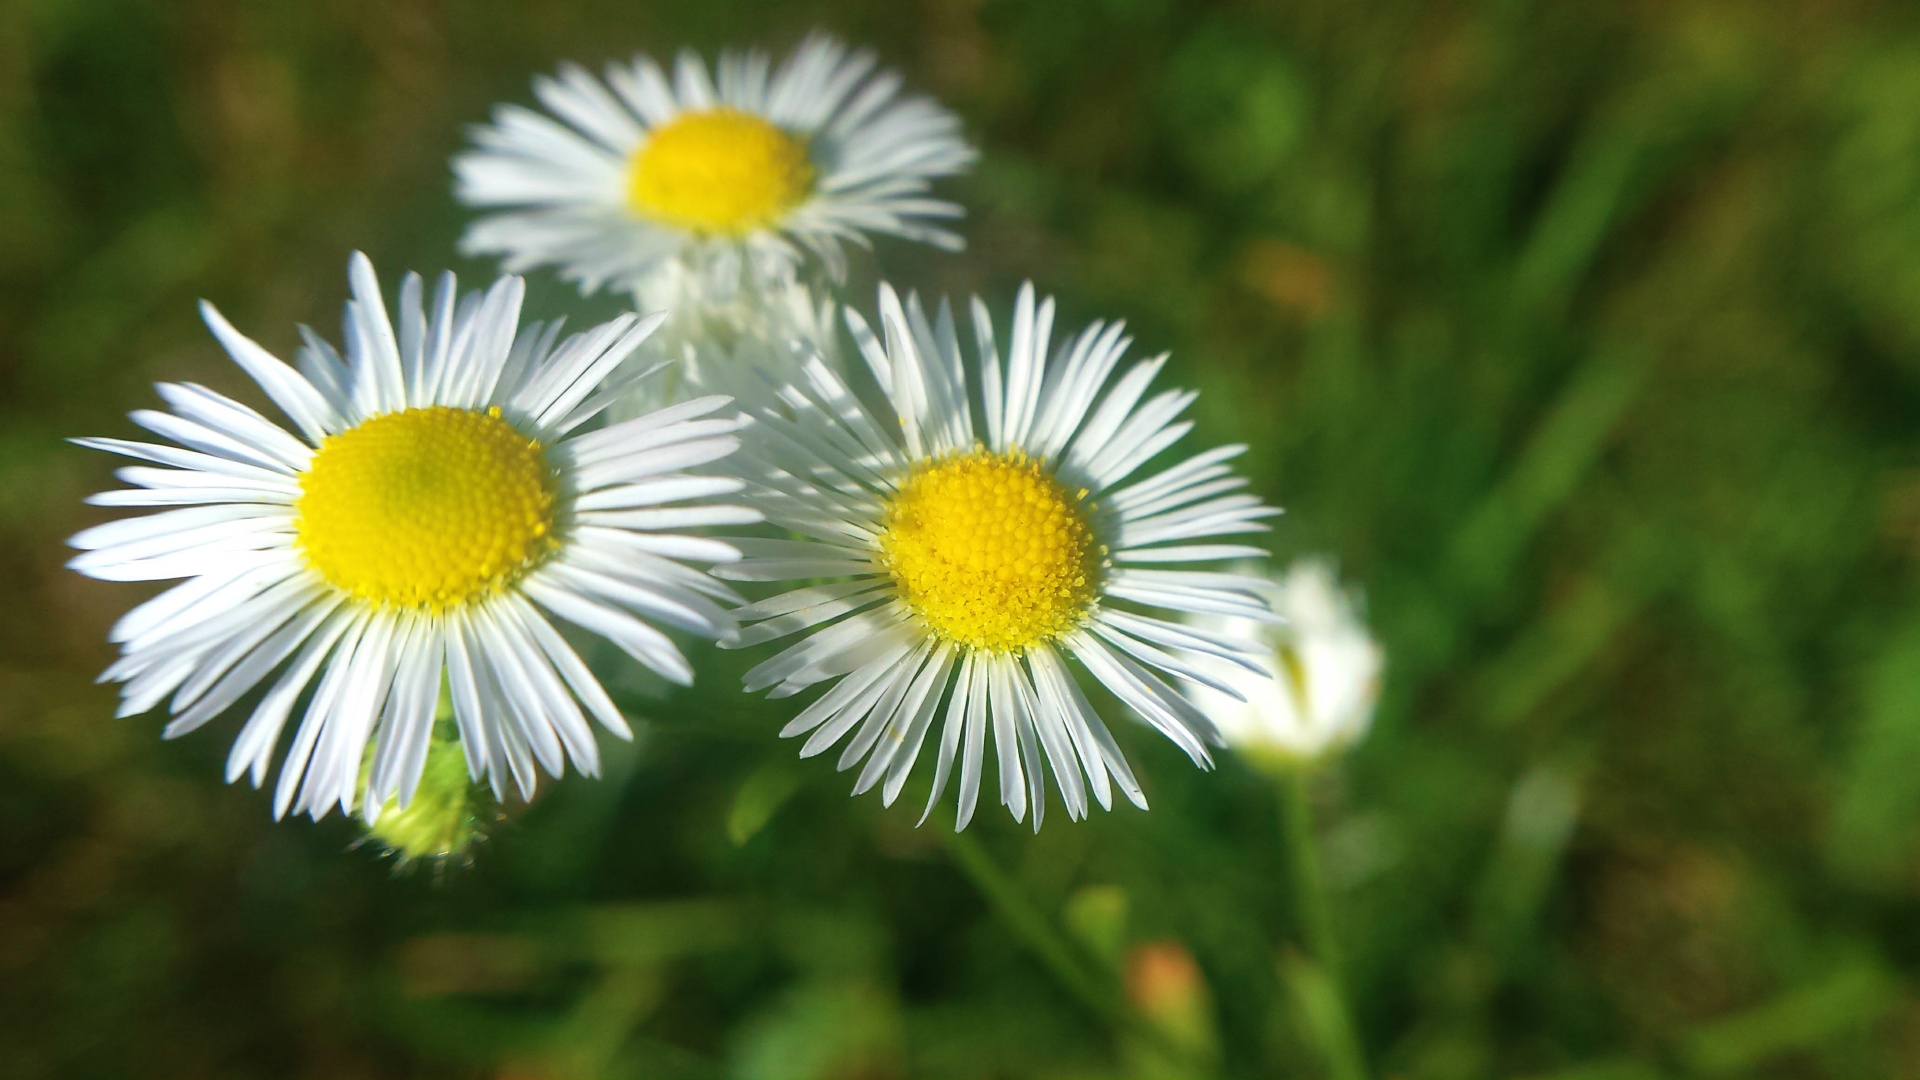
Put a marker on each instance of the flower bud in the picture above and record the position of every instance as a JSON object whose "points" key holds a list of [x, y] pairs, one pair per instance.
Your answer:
{"points": [[448, 812]]}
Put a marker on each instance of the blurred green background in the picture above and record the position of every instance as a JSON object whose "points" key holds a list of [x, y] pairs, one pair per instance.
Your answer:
{"points": [[1586, 336]]}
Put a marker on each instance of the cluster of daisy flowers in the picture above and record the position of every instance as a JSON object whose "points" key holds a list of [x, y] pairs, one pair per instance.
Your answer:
{"points": [[972, 541]]}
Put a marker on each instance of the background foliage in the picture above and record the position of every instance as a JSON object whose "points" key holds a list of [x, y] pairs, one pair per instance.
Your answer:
{"points": [[1587, 336]]}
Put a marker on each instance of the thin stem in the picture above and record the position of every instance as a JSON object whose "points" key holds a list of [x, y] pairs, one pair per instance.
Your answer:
{"points": [[1303, 867], [1093, 988], [1033, 928], [1329, 1019]]}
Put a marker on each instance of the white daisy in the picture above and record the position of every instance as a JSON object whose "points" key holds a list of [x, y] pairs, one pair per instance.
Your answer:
{"points": [[742, 346], [730, 179], [966, 555], [436, 506], [1324, 670]]}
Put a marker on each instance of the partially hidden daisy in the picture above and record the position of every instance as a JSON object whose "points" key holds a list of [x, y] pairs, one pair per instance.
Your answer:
{"points": [[710, 181], [1322, 672], [738, 347], [969, 537], [434, 506]]}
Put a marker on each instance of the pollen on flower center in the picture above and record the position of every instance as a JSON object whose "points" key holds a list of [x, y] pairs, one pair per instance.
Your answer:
{"points": [[426, 508], [990, 550], [718, 171]]}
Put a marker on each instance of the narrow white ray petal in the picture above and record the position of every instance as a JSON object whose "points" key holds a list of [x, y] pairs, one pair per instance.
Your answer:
{"points": [[238, 421], [1006, 739], [463, 687], [251, 532], [506, 726], [1182, 553], [1204, 601], [437, 349], [406, 733], [1051, 726], [1161, 659], [973, 753], [568, 573], [260, 616], [992, 395], [296, 397], [636, 458], [1060, 697], [166, 523], [874, 681], [571, 667], [883, 715], [1160, 705], [145, 690], [1091, 443], [507, 657], [379, 366], [1023, 378], [801, 599], [667, 459], [640, 641], [899, 747], [654, 492], [1079, 387], [950, 734], [579, 98], [1238, 651], [1200, 467], [412, 329], [319, 710], [1144, 509], [561, 708], [184, 627], [777, 626], [276, 489], [1036, 793], [785, 569], [334, 777], [641, 431], [813, 650], [679, 517], [178, 599], [183, 496], [227, 451], [253, 748], [320, 364]]}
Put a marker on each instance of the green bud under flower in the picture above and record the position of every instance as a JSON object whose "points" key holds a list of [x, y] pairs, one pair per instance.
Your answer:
{"points": [[448, 813]]}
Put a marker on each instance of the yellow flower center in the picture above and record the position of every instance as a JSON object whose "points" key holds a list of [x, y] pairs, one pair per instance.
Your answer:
{"points": [[718, 171], [426, 508], [991, 551]]}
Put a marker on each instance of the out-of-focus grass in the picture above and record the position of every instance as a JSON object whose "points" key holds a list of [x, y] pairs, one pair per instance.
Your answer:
{"points": [[1586, 336]]}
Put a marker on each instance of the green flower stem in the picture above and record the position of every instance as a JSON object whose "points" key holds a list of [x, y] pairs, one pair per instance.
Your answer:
{"points": [[1034, 928], [1089, 985], [1303, 868], [1336, 1033]]}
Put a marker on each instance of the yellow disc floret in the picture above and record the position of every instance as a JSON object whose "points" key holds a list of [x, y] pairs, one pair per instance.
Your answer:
{"points": [[991, 551], [719, 171], [426, 508]]}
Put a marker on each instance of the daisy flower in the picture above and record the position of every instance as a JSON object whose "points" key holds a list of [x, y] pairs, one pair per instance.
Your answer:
{"points": [[966, 539], [435, 503], [738, 347], [705, 182], [1321, 672]]}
